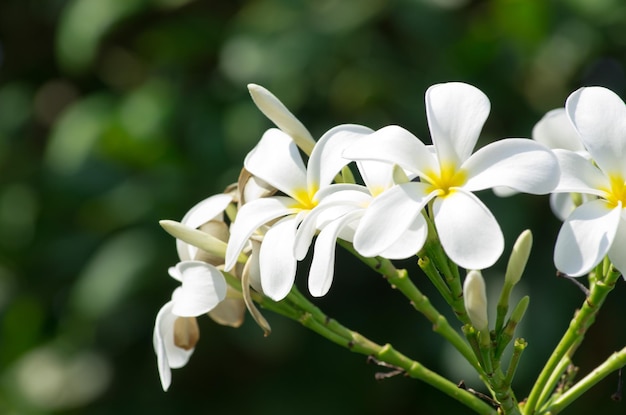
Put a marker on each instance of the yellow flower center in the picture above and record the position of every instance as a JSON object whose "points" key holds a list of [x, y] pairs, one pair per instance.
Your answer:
{"points": [[617, 192], [446, 179], [304, 198]]}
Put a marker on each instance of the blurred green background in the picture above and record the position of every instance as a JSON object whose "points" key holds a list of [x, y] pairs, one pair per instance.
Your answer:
{"points": [[117, 113]]}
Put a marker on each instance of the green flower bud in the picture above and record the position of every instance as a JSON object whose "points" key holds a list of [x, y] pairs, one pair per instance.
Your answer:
{"points": [[519, 257]]}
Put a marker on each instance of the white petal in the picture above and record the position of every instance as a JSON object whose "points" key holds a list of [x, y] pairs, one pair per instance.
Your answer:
{"points": [[456, 113], [579, 175], [555, 130], [468, 232], [203, 288], [410, 242], [389, 216], [393, 144], [282, 117], [585, 237], [616, 252], [599, 115], [276, 160], [203, 212], [562, 205], [249, 218], [277, 262], [252, 187], [521, 164], [336, 200], [168, 354], [209, 209], [253, 267], [377, 176], [326, 159], [323, 263]]}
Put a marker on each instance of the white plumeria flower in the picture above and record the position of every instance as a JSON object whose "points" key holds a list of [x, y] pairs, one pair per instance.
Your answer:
{"points": [[598, 227], [175, 330], [468, 231], [277, 161], [338, 215], [555, 131]]}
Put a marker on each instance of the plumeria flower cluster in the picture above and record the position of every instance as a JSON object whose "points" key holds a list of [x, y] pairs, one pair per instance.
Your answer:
{"points": [[386, 195], [592, 155]]}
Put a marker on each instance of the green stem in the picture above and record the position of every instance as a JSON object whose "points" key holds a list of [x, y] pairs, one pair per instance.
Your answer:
{"points": [[570, 340], [426, 264], [616, 361], [518, 348], [555, 378], [399, 279], [313, 318]]}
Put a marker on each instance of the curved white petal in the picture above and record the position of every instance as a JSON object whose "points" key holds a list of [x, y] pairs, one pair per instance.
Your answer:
{"points": [[599, 116], [168, 354], [377, 175], [210, 208], [410, 242], [278, 113], [336, 191], [579, 175], [468, 232], [503, 191], [562, 205], [276, 160], [203, 288], [326, 159], [555, 130], [323, 263], [616, 252], [389, 216], [520, 164], [276, 260], [249, 218], [585, 237], [394, 144], [335, 201], [252, 187], [456, 113], [311, 223]]}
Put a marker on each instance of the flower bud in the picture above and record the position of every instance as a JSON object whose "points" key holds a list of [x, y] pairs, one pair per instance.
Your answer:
{"points": [[276, 111], [476, 300], [519, 257]]}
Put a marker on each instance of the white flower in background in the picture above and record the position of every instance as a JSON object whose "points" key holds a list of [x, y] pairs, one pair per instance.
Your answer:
{"points": [[555, 131], [468, 231], [175, 330], [597, 227], [277, 161], [338, 215]]}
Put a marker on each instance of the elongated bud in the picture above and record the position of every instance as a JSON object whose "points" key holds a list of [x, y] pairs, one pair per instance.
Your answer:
{"points": [[517, 314], [476, 300], [278, 113], [519, 257], [197, 238]]}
